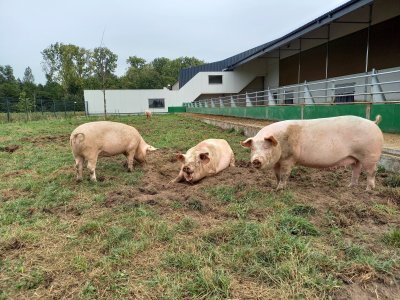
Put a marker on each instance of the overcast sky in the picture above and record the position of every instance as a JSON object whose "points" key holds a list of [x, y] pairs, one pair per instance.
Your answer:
{"points": [[210, 30]]}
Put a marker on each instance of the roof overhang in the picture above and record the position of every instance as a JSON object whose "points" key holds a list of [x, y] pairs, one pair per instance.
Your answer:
{"points": [[315, 24]]}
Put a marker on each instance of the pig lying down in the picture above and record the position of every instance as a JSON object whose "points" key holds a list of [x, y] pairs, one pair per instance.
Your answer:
{"points": [[104, 138], [318, 143], [205, 159]]}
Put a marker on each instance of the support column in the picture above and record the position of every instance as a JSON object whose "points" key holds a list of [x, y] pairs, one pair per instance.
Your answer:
{"points": [[376, 89], [308, 99], [233, 104], [271, 99]]}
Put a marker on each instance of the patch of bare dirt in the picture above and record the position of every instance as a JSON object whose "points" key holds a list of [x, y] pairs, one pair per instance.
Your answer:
{"points": [[40, 140], [10, 148]]}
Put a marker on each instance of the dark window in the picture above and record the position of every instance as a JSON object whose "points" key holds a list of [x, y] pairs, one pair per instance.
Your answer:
{"points": [[289, 97], [344, 92], [215, 79], [156, 103]]}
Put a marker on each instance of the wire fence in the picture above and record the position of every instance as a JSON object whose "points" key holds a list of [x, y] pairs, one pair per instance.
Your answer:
{"points": [[26, 109]]}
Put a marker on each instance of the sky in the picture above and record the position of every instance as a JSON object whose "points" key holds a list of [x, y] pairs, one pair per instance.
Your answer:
{"points": [[210, 30]]}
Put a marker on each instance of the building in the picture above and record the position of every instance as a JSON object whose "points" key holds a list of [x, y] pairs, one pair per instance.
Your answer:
{"points": [[350, 54]]}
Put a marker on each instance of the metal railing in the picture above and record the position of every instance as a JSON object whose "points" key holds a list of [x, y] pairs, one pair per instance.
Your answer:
{"points": [[372, 87]]}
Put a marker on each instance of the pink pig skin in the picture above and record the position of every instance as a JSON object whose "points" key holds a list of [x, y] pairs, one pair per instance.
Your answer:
{"points": [[104, 138], [205, 159], [318, 143]]}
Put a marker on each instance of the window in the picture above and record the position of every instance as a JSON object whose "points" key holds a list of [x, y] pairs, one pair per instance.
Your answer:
{"points": [[344, 92], [156, 103], [288, 97], [214, 79]]}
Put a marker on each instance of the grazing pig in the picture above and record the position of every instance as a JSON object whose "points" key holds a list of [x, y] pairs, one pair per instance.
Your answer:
{"points": [[318, 143], [205, 159], [148, 114], [104, 138]]}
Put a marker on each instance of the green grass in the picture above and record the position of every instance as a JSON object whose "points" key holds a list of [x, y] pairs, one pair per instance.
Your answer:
{"points": [[58, 237]]}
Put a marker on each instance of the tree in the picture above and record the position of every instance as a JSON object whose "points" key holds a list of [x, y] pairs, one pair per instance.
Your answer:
{"points": [[104, 63], [28, 76], [6, 74], [67, 65], [136, 62], [25, 104]]}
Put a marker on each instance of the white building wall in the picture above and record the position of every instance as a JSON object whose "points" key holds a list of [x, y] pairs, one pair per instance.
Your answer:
{"points": [[136, 101], [128, 101]]}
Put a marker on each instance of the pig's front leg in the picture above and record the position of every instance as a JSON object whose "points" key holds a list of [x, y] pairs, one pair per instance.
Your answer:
{"points": [[284, 173], [178, 178]]}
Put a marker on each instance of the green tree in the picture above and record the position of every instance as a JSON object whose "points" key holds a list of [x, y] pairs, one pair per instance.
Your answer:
{"points": [[104, 63], [25, 104], [68, 65]]}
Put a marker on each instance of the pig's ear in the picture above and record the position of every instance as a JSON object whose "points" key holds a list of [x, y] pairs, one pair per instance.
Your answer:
{"points": [[247, 143], [180, 157], [272, 140], [204, 158]]}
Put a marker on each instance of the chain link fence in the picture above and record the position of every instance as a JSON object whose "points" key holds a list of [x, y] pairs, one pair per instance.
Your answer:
{"points": [[26, 109]]}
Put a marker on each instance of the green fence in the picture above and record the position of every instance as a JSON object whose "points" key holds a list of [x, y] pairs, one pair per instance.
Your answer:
{"points": [[176, 109], [390, 112]]}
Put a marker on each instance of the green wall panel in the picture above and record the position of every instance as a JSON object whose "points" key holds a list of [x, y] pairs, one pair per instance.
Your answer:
{"points": [[390, 112], [176, 109], [279, 113], [390, 116], [326, 111]]}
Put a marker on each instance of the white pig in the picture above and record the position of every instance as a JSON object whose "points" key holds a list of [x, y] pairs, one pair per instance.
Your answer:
{"points": [[105, 138], [205, 159], [318, 143]]}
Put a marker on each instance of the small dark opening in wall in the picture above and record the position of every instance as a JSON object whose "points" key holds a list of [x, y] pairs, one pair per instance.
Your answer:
{"points": [[214, 79], [156, 103]]}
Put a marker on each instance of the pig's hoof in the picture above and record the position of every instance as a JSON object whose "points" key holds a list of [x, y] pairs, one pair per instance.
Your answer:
{"points": [[279, 187], [93, 179], [79, 179]]}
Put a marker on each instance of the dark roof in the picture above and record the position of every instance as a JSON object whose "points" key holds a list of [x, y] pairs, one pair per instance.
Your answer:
{"points": [[230, 63]]}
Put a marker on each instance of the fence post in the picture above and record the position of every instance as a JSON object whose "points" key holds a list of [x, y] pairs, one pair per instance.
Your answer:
{"points": [[41, 105], [26, 108], [65, 109], [8, 110], [74, 107], [54, 109]]}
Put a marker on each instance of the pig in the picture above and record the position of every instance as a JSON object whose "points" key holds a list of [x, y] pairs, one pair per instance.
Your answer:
{"points": [[318, 143], [104, 138], [148, 114], [205, 159]]}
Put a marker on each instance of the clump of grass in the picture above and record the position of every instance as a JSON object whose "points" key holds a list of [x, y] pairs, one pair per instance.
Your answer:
{"points": [[392, 238], [297, 225], [90, 228], [195, 204], [302, 210], [186, 225], [209, 284], [392, 181]]}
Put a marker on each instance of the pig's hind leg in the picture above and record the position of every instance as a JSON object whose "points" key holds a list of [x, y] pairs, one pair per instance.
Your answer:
{"points": [[79, 167], [370, 169], [356, 167], [92, 161], [129, 160]]}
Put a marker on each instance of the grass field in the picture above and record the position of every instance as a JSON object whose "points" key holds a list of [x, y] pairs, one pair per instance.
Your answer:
{"points": [[133, 236]]}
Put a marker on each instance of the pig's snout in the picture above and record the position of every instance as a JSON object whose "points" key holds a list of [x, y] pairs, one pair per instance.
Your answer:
{"points": [[187, 170], [256, 163]]}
